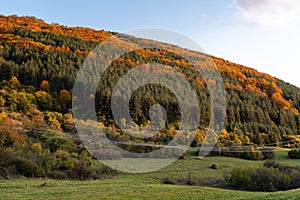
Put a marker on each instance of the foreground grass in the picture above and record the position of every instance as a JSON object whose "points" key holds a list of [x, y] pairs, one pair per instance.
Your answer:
{"points": [[124, 188], [145, 186]]}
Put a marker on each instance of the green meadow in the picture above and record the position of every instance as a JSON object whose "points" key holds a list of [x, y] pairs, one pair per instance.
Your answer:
{"points": [[148, 185]]}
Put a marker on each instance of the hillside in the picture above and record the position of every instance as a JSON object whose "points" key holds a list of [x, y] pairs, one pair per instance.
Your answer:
{"points": [[144, 186], [39, 63]]}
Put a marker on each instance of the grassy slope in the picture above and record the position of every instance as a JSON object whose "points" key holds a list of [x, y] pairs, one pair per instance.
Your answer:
{"points": [[124, 188], [145, 186]]}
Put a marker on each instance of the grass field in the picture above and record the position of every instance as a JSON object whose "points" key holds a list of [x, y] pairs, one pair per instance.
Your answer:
{"points": [[146, 186]]}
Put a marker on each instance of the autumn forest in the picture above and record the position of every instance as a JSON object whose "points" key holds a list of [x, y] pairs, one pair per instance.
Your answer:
{"points": [[38, 66]]}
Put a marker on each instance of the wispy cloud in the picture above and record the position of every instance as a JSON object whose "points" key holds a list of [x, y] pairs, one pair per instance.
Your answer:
{"points": [[277, 13]]}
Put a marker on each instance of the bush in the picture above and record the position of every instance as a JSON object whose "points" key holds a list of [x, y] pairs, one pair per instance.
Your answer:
{"points": [[243, 152], [255, 155], [294, 154], [7, 172], [12, 164], [168, 181], [56, 143], [63, 160], [215, 166], [26, 167], [137, 148], [240, 178], [82, 172], [253, 179], [6, 157], [191, 180], [267, 153], [35, 160], [195, 181], [269, 178], [58, 175]]}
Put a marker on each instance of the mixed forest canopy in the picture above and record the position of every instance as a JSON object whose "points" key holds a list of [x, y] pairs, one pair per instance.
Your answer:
{"points": [[39, 63]]}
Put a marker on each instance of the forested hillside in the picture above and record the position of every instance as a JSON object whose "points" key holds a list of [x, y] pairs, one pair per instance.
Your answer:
{"points": [[38, 66]]}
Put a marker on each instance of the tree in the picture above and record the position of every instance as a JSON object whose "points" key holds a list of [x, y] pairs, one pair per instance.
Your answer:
{"points": [[224, 136], [23, 101], [64, 99], [14, 82], [2, 116], [280, 101], [44, 100], [45, 86], [2, 101]]}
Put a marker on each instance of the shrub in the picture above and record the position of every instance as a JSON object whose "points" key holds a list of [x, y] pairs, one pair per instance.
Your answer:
{"points": [[82, 172], [240, 177], [271, 177], [294, 154], [63, 160], [6, 157], [243, 152], [58, 175], [11, 164], [7, 172], [26, 167], [182, 157], [191, 180], [255, 155], [215, 166], [267, 153], [56, 143], [37, 147], [195, 181], [168, 181]]}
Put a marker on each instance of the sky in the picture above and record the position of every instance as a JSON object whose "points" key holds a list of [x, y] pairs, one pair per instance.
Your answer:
{"points": [[261, 34]]}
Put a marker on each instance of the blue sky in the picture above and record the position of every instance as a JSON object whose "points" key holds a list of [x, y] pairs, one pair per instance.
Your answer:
{"points": [[262, 34]]}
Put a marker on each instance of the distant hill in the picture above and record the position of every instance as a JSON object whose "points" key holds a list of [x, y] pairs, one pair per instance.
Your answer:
{"points": [[39, 62]]}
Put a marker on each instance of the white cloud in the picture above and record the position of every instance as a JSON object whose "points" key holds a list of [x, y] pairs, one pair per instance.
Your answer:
{"points": [[278, 13]]}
